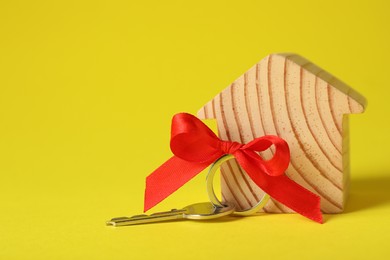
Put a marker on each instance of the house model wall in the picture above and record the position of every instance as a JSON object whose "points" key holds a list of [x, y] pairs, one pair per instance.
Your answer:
{"points": [[288, 96]]}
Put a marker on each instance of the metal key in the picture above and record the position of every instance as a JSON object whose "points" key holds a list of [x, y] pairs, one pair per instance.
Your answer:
{"points": [[198, 211]]}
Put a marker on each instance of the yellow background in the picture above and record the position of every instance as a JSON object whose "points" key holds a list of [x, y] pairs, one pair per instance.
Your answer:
{"points": [[87, 92]]}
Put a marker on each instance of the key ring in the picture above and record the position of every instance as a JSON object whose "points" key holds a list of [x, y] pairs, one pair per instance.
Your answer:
{"points": [[213, 198]]}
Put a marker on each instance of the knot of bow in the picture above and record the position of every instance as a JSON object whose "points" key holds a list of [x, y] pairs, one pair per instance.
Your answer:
{"points": [[195, 147]]}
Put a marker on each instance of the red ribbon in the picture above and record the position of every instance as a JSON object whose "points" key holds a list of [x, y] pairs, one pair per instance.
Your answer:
{"points": [[195, 147]]}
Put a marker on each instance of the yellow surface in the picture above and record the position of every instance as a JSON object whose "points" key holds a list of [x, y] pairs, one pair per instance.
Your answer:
{"points": [[87, 91]]}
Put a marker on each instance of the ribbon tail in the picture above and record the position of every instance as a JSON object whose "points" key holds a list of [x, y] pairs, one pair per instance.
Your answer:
{"points": [[296, 197], [284, 190], [169, 177]]}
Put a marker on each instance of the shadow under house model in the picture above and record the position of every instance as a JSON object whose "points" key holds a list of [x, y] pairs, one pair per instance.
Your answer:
{"points": [[288, 96]]}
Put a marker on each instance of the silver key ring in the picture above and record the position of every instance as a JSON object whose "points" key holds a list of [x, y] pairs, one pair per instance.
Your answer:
{"points": [[213, 198]]}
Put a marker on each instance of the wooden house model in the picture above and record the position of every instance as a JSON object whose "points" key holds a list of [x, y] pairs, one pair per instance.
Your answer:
{"points": [[288, 96]]}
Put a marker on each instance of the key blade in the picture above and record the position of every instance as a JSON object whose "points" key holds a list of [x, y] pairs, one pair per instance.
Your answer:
{"points": [[172, 211], [145, 219]]}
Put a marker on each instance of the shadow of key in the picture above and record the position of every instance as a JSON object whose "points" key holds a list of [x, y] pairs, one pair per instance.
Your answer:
{"points": [[369, 192]]}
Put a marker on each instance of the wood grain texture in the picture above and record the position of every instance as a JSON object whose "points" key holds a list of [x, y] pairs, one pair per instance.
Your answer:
{"points": [[288, 96]]}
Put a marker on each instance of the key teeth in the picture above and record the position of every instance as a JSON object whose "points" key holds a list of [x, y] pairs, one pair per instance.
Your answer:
{"points": [[165, 213], [139, 216], [118, 218]]}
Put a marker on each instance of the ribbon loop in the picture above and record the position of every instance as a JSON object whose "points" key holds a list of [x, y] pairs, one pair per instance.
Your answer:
{"points": [[195, 147]]}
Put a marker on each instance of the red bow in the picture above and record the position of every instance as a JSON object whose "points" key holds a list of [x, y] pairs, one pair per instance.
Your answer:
{"points": [[195, 147]]}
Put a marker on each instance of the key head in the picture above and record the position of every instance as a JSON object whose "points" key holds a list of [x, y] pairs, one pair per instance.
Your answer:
{"points": [[207, 210]]}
